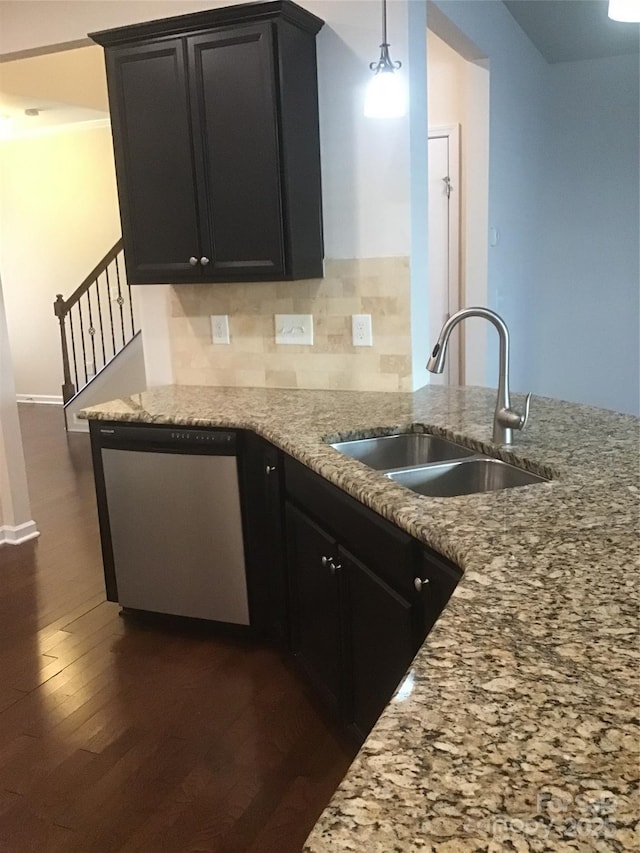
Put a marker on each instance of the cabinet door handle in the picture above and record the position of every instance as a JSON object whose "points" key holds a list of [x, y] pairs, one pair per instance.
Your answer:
{"points": [[270, 469], [193, 261], [329, 562], [420, 584], [204, 261]]}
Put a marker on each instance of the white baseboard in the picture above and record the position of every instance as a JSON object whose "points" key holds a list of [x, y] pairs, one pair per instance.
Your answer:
{"points": [[17, 535], [49, 399]]}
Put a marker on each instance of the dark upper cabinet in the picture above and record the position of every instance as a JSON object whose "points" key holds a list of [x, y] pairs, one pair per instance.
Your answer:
{"points": [[215, 129]]}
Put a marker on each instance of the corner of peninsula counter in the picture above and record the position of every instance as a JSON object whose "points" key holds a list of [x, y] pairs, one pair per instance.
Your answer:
{"points": [[515, 727]]}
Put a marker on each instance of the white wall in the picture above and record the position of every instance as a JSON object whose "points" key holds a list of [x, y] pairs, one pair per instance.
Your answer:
{"points": [[16, 524], [374, 174], [563, 193], [516, 167], [445, 82], [58, 217], [365, 163], [362, 160], [458, 93], [587, 311]]}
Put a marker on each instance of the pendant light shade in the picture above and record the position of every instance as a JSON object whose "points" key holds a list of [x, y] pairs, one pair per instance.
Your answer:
{"points": [[386, 95], [627, 11]]}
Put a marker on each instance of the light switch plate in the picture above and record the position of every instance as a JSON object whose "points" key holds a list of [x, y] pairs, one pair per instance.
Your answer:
{"points": [[294, 329], [220, 328], [361, 334]]}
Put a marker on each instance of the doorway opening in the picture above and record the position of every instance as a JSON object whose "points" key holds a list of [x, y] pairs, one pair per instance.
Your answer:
{"points": [[443, 239], [458, 117]]}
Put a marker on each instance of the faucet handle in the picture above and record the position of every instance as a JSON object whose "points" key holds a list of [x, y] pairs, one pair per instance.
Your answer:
{"points": [[524, 418]]}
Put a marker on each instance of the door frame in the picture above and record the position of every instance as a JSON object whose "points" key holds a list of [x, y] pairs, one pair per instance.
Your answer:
{"points": [[452, 133]]}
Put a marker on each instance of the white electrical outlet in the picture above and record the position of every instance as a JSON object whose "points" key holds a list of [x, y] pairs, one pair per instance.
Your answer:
{"points": [[294, 329], [220, 329], [361, 330]]}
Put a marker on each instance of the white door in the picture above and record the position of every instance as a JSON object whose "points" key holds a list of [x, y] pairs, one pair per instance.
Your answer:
{"points": [[444, 287]]}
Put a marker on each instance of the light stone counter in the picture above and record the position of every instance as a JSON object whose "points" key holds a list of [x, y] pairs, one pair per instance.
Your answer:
{"points": [[515, 728]]}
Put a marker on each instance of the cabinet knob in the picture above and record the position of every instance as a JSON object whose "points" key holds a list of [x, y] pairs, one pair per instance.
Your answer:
{"points": [[420, 584], [193, 261], [270, 469], [204, 261], [325, 560]]}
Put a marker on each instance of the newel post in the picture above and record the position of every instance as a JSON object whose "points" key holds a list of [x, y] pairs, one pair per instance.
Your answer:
{"points": [[68, 388]]}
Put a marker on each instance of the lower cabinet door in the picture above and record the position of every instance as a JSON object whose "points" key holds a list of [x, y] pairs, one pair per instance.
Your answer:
{"points": [[380, 641], [316, 605]]}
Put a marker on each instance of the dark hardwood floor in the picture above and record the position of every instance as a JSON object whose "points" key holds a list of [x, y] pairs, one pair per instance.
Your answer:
{"points": [[116, 736]]}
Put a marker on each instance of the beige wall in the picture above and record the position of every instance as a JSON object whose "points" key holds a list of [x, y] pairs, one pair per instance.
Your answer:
{"points": [[376, 286], [58, 217]]}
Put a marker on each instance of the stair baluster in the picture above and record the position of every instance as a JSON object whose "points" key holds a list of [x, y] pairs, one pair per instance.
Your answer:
{"points": [[89, 295]]}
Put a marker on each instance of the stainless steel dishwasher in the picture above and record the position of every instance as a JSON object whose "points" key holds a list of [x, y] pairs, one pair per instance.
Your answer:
{"points": [[170, 520]]}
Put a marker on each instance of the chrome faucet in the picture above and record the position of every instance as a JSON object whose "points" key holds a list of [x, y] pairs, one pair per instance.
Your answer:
{"points": [[505, 419]]}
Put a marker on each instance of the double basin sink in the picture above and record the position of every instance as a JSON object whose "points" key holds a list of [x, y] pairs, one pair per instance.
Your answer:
{"points": [[434, 466]]}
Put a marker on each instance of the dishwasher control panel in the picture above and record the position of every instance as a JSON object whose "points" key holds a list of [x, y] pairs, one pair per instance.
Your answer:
{"points": [[218, 440]]}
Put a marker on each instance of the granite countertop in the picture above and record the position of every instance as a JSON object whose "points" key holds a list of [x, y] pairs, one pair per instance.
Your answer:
{"points": [[515, 726]]}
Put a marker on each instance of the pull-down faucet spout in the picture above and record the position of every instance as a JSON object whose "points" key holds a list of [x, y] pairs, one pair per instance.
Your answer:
{"points": [[505, 418]]}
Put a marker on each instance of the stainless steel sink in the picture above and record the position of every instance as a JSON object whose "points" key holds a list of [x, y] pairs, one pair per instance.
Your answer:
{"points": [[390, 452], [464, 477]]}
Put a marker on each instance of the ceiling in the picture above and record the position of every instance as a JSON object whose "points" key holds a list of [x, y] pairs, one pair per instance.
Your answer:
{"points": [[64, 88], [570, 30], [562, 30], [46, 115]]}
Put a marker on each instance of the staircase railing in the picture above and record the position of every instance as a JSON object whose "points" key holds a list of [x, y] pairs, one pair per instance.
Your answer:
{"points": [[96, 322]]}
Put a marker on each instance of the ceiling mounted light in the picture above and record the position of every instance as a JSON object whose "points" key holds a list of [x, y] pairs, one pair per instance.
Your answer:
{"points": [[386, 96], [627, 11]]}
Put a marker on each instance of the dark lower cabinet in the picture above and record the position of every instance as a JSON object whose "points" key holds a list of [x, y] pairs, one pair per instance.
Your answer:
{"points": [[262, 470], [363, 596], [318, 623], [436, 580], [353, 635], [380, 642]]}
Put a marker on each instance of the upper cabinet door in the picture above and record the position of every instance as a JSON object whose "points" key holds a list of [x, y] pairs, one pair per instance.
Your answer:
{"points": [[234, 114], [148, 97], [215, 130]]}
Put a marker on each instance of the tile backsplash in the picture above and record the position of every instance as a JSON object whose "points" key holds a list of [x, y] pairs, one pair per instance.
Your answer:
{"points": [[375, 286]]}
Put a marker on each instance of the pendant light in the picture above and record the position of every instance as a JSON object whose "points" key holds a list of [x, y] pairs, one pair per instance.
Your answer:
{"points": [[627, 11], [386, 96]]}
